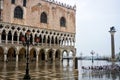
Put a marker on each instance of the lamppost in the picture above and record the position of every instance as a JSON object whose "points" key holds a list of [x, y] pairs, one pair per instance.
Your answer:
{"points": [[92, 53], [26, 42], [112, 32]]}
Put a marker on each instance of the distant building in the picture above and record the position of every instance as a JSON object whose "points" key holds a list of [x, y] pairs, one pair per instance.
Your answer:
{"points": [[53, 22]]}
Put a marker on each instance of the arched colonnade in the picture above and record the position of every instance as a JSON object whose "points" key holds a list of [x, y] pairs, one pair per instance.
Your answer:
{"points": [[35, 54]]}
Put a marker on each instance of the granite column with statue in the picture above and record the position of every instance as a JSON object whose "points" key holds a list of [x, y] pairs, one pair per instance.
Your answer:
{"points": [[112, 32]]}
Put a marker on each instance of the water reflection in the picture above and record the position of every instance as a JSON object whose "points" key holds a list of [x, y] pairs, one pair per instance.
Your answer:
{"points": [[4, 71], [56, 71], [99, 74]]}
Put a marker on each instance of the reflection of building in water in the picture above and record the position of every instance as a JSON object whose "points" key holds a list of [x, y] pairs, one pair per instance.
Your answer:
{"points": [[50, 21]]}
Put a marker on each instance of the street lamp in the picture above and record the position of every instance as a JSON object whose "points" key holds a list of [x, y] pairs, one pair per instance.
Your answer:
{"points": [[112, 32], [92, 53], [26, 42]]}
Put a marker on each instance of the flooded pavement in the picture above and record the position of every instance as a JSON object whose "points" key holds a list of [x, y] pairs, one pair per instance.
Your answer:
{"points": [[97, 74], [55, 71], [38, 71]]}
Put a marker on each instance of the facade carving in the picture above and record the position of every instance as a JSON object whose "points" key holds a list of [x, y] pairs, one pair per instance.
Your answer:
{"points": [[52, 22]]}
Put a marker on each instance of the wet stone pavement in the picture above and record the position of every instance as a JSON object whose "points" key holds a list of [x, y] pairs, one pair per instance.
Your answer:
{"points": [[38, 71], [56, 71]]}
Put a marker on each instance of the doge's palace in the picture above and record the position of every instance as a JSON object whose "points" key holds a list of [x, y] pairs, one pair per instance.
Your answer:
{"points": [[50, 21]]}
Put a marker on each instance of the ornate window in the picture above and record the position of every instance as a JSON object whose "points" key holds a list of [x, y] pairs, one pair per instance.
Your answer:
{"points": [[18, 12], [13, 1], [62, 22], [43, 17], [24, 3]]}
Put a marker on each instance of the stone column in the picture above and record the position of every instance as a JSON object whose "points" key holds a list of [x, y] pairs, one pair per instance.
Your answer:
{"points": [[74, 43], [65, 42], [46, 59], [70, 43], [16, 57], [54, 41], [54, 56], [61, 58], [46, 41], [0, 37], [42, 40], [6, 38], [5, 57], [33, 39], [50, 41], [112, 32], [18, 39], [37, 58], [112, 46], [74, 60], [12, 38], [58, 42], [61, 42]]}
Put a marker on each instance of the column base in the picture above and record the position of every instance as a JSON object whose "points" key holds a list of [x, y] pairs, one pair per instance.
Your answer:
{"points": [[76, 72], [26, 77], [112, 60]]}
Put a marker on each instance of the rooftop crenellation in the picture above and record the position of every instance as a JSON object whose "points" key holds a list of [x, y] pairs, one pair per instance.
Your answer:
{"points": [[61, 4]]}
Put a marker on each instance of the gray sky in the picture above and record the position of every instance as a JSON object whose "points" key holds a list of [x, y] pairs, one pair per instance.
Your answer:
{"points": [[93, 21]]}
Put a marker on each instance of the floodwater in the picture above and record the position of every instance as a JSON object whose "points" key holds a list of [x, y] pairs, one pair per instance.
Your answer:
{"points": [[55, 71], [97, 75]]}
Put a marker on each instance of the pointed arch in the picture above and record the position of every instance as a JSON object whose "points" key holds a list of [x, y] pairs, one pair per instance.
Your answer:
{"points": [[48, 40], [43, 17], [22, 54], [70, 54], [56, 40], [18, 12], [52, 40], [10, 36], [35, 37], [50, 54], [44, 39], [42, 55], [3, 35], [32, 54], [57, 55], [21, 34], [11, 54], [64, 54], [62, 22], [40, 37], [15, 36]]}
